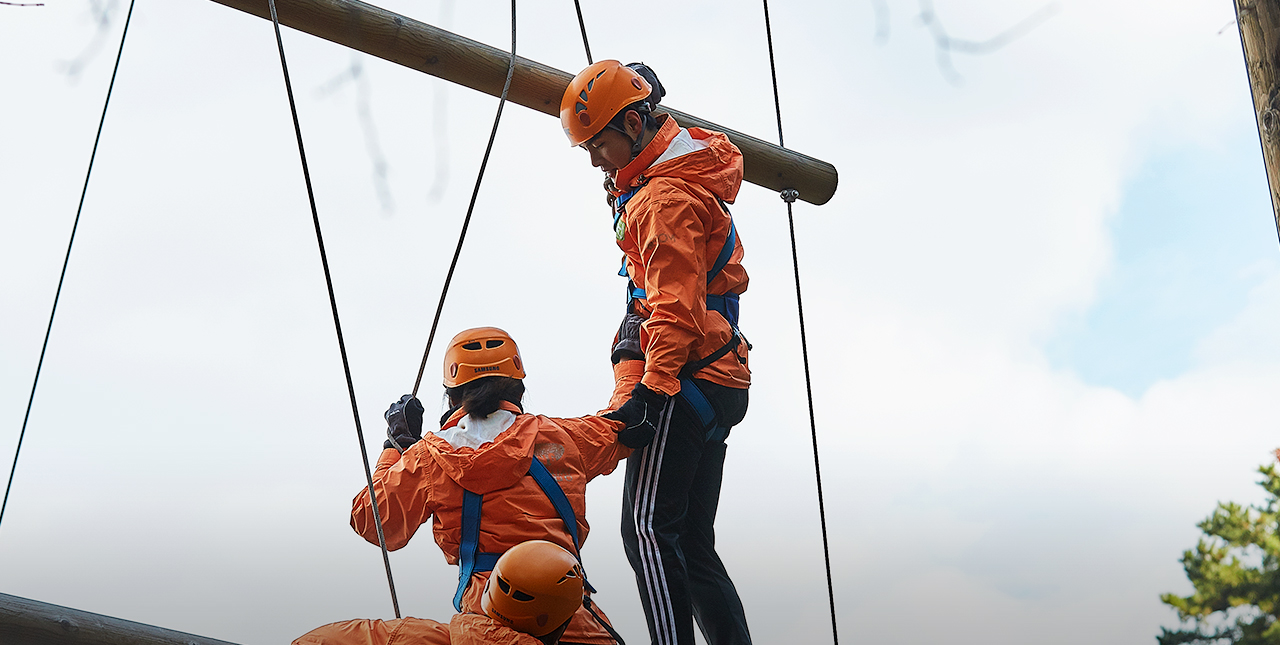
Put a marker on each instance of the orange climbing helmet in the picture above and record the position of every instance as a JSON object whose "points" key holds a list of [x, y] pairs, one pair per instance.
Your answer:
{"points": [[596, 95], [535, 587], [480, 352]]}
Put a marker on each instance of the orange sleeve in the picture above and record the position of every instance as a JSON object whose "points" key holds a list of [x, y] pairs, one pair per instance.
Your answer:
{"points": [[597, 442], [597, 437], [377, 632], [672, 245], [625, 376], [403, 484]]}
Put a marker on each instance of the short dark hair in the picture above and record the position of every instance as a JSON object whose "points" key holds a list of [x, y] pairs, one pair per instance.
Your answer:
{"points": [[483, 396], [619, 120]]}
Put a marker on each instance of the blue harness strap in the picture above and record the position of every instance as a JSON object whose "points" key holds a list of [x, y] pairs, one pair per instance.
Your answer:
{"points": [[469, 558], [559, 500], [726, 304], [471, 561]]}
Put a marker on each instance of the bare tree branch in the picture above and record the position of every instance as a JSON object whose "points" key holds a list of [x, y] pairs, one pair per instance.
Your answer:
{"points": [[355, 73], [440, 121], [23, 4], [100, 13], [882, 21], [946, 44]]}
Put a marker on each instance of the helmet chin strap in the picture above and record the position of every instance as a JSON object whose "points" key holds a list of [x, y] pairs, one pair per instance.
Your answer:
{"points": [[637, 144]]}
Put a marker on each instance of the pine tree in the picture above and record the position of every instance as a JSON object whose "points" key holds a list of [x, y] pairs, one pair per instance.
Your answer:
{"points": [[1235, 569]]}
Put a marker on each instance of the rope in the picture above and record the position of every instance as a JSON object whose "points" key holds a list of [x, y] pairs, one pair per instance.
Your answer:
{"points": [[583, 26], [67, 260], [466, 222], [333, 305], [790, 196]]}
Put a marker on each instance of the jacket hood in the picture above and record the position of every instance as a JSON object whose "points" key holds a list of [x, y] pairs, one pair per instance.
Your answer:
{"points": [[696, 155], [477, 629], [493, 466]]}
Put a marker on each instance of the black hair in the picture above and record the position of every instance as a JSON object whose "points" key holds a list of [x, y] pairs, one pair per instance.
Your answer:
{"points": [[483, 396], [619, 120]]}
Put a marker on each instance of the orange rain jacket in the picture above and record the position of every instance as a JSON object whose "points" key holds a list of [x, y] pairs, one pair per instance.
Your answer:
{"points": [[672, 231], [427, 481], [463, 629]]}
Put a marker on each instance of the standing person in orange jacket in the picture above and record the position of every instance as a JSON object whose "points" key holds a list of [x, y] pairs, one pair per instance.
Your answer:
{"points": [[669, 187], [525, 475], [535, 589]]}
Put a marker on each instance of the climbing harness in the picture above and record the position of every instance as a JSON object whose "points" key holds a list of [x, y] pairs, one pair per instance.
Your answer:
{"points": [[789, 196], [466, 221], [67, 260], [333, 305], [727, 304], [471, 560]]}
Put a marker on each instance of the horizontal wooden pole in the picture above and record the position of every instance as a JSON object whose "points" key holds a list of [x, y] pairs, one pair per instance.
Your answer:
{"points": [[29, 622], [417, 45]]}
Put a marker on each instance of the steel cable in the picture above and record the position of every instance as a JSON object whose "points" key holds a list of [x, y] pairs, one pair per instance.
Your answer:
{"points": [[789, 196], [466, 221], [582, 25], [333, 305], [66, 260]]}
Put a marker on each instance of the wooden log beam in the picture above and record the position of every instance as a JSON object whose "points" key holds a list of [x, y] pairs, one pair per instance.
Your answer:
{"points": [[1259, 23], [28, 622], [445, 55]]}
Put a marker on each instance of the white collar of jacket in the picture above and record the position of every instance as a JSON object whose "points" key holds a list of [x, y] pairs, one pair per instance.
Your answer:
{"points": [[681, 145], [472, 432]]}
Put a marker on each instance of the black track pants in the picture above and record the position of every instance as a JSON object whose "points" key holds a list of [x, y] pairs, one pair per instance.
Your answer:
{"points": [[668, 526]]}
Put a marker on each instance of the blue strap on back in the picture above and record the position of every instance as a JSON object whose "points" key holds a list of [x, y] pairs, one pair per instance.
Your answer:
{"points": [[559, 500], [471, 561], [469, 546]]}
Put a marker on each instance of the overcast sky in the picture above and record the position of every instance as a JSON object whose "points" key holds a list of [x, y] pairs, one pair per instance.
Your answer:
{"points": [[1041, 307]]}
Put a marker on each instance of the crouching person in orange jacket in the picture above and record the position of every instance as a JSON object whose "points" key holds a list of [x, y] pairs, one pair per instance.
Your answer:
{"points": [[493, 476], [535, 590]]}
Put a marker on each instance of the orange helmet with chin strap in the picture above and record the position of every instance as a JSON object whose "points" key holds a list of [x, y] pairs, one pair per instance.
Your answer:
{"points": [[535, 587], [480, 352], [596, 95]]}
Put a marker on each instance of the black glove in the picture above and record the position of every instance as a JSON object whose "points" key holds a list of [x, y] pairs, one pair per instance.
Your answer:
{"points": [[641, 414], [404, 423], [626, 344]]}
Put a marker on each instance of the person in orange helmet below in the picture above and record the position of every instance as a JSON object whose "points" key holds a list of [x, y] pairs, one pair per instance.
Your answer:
{"points": [[534, 592], [493, 476], [668, 188]]}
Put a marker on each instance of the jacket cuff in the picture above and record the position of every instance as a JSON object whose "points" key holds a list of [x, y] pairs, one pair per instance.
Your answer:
{"points": [[668, 385], [625, 376], [628, 371], [388, 457]]}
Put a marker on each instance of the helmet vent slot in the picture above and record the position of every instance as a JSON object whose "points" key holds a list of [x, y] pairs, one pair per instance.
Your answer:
{"points": [[473, 346], [503, 585], [520, 595], [490, 344]]}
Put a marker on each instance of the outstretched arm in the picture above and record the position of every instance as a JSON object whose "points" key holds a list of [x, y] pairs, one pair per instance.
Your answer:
{"points": [[403, 485]]}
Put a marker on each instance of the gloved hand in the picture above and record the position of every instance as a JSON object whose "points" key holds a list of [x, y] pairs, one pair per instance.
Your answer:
{"points": [[626, 343], [641, 414], [404, 423]]}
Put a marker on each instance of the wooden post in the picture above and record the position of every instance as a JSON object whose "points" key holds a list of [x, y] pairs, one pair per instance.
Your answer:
{"points": [[1259, 22], [28, 622], [445, 55]]}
